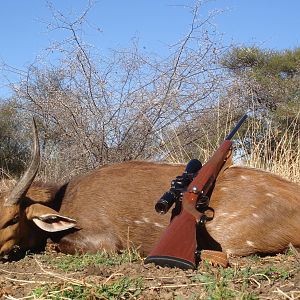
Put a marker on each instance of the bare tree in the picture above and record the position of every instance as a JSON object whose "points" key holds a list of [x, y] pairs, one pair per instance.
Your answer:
{"points": [[95, 110]]}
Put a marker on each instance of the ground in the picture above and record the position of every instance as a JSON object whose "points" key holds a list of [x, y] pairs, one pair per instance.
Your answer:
{"points": [[56, 276]]}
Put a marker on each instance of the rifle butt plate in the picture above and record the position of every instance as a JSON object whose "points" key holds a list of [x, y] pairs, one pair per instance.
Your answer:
{"points": [[171, 262]]}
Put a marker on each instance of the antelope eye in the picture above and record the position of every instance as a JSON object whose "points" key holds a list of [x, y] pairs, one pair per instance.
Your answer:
{"points": [[15, 220], [12, 221]]}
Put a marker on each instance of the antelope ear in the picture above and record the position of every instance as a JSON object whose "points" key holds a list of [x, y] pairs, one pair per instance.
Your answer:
{"points": [[48, 219]]}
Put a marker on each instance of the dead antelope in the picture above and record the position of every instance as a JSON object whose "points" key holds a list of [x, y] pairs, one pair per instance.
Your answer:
{"points": [[112, 208]]}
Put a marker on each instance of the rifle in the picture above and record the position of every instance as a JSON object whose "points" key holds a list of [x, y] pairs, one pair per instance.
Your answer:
{"points": [[177, 246]]}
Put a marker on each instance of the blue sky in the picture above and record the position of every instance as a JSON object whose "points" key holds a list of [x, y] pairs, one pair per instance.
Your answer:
{"points": [[272, 24]]}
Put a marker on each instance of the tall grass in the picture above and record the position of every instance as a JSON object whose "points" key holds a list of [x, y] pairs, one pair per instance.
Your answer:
{"points": [[259, 143], [277, 150]]}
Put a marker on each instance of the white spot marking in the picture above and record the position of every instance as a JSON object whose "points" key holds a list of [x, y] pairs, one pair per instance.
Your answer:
{"points": [[138, 222], [270, 195], [249, 243], [224, 189], [159, 225], [234, 215], [255, 215], [146, 220], [244, 177], [224, 214], [253, 206]]}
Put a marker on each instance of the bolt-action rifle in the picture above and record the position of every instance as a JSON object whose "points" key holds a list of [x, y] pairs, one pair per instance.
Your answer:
{"points": [[178, 244]]}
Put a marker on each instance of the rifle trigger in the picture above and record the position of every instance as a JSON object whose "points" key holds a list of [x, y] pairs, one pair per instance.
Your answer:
{"points": [[203, 220], [202, 203]]}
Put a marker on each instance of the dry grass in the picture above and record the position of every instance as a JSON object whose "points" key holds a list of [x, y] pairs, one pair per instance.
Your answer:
{"points": [[261, 145], [6, 183], [277, 151]]}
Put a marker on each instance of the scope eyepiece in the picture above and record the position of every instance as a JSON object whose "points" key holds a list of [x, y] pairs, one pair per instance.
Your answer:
{"points": [[178, 185], [165, 202]]}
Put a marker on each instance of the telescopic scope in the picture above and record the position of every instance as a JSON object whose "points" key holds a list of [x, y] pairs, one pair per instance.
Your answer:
{"points": [[178, 185]]}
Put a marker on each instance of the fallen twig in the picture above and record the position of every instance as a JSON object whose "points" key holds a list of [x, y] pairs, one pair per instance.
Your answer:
{"points": [[64, 278]]}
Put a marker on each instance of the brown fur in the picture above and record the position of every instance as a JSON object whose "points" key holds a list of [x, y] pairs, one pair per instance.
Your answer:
{"points": [[255, 211], [122, 199]]}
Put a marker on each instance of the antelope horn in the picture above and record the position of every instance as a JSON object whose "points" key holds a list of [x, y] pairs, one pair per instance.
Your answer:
{"points": [[24, 183]]}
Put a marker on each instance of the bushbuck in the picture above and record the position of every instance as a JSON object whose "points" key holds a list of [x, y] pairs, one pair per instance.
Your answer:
{"points": [[112, 208]]}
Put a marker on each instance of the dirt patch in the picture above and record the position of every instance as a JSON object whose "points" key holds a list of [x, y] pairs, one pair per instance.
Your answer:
{"points": [[38, 277]]}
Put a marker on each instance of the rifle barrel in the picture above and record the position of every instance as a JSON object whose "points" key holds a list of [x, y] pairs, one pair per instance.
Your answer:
{"points": [[235, 129], [177, 246]]}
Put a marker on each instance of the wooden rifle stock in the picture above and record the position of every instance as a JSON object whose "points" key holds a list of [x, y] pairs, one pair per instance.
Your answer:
{"points": [[177, 246]]}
